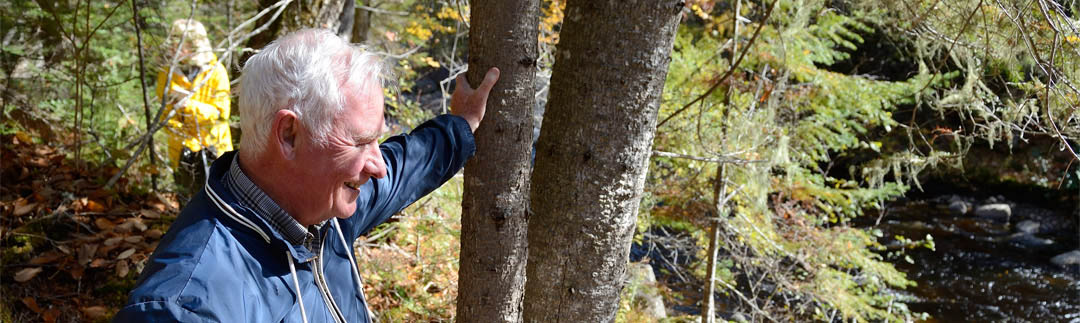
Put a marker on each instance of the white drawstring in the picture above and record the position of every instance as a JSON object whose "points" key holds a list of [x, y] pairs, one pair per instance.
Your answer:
{"points": [[292, 269], [355, 270]]}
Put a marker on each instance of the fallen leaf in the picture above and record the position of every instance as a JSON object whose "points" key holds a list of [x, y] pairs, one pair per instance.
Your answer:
{"points": [[56, 159], [150, 214], [43, 150], [104, 224], [153, 234], [27, 274], [23, 137], [170, 201], [97, 263], [94, 206], [64, 249], [139, 224], [122, 268], [32, 304], [106, 249], [45, 258], [131, 223], [23, 206], [76, 272], [39, 162], [126, 254], [61, 209], [86, 253], [94, 312], [133, 239], [160, 207], [113, 241], [50, 315], [99, 193]]}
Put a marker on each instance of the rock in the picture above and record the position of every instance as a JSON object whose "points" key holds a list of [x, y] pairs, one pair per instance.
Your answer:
{"points": [[999, 211], [1070, 258], [1027, 240], [646, 293], [958, 207], [1028, 226]]}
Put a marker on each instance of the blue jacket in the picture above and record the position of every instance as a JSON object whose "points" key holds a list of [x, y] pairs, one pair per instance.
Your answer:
{"points": [[221, 262]]}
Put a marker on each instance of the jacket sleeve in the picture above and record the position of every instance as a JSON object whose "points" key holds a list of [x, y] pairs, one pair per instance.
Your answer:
{"points": [[416, 164], [215, 103], [158, 311]]}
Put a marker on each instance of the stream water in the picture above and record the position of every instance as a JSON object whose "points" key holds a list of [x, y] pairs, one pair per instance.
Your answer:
{"points": [[984, 269]]}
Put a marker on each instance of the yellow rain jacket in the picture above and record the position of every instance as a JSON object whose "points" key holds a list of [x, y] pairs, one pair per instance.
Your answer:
{"points": [[202, 122]]}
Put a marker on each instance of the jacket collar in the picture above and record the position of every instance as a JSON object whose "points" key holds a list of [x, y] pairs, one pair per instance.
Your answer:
{"points": [[229, 207]]}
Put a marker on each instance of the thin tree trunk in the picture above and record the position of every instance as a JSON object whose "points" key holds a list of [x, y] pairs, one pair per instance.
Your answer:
{"points": [[491, 277], [361, 23], [345, 21], [145, 95], [592, 155], [708, 307]]}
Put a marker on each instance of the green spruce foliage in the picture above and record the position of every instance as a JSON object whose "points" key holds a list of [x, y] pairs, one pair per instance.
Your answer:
{"points": [[781, 120]]}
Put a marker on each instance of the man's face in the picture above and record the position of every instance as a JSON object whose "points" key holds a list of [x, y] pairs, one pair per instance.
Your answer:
{"points": [[332, 175]]}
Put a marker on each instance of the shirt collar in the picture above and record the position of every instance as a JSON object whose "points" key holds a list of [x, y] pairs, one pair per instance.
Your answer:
{"points": [[252, 197]]}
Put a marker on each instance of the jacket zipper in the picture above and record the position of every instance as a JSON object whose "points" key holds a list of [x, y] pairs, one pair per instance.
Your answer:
{"points": [[320, 281]]}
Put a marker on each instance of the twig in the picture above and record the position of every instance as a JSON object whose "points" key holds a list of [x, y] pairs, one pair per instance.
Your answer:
{"points": [[746, 300], [730, 70], [383, 11], [948, 51], [657, 153], [233, 41]]}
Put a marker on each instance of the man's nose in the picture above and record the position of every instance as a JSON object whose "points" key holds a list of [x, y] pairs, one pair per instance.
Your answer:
{"points": [[375, 166]]}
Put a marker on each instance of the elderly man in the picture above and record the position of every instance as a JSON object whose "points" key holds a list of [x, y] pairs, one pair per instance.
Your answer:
{"points": [[269, 238]]}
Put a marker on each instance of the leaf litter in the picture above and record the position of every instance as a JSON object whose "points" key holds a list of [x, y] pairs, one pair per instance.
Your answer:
{"points": [[71, 249]]}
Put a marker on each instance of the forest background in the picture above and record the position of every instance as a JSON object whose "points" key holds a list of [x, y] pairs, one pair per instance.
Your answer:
{"points": [[783, 124]]}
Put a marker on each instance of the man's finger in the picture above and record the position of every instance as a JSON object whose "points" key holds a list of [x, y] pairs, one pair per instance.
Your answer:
{"points": [[489, 80]]}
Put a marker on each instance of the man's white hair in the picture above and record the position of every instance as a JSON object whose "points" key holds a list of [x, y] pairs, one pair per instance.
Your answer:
{"points": [[308, 72]]}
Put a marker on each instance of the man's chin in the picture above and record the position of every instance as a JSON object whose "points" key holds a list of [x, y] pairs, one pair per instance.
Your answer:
{"points": [[346, 214]]}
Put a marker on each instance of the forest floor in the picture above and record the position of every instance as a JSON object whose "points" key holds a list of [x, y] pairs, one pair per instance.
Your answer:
{"points": [[71, 249]]}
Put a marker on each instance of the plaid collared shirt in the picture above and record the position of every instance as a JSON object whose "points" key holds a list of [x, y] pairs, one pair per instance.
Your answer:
{"points": [[251, 196]]}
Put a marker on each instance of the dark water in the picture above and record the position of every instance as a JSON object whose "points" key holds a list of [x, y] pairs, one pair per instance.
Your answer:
{"points": [[979, 271]]}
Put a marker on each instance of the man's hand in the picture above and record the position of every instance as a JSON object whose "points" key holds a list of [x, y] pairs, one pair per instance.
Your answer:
{"points": [[469, 103]]}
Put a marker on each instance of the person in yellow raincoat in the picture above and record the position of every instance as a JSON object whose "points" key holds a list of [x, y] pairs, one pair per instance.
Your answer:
{"points": [[195, 88]]}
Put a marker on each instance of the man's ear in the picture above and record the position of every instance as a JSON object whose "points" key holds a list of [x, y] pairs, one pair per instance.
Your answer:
{"points": [[284, 132]]}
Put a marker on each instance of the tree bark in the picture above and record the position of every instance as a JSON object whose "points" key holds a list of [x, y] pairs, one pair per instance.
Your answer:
{"points": [[361, 23], [322, 14], [591, 158], [346, 19], [298, 15], [491, 276]]}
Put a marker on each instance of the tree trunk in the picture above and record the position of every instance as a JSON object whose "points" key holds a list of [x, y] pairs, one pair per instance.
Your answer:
{"points": [[298, 15], [491, 277], [592, 155], [346, 20], [361, 23], [708, 302], [322, 14]]}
